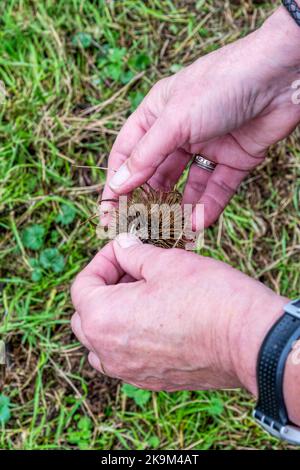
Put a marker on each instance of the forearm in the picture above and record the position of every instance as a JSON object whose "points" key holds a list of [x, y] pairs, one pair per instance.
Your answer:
{"points": [[284, 38]]}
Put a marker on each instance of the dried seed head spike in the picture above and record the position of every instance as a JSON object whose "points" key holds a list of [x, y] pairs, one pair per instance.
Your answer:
{"points": [[107, 200], [88, 219], [105, 168], [91, 167], [156, 203]]}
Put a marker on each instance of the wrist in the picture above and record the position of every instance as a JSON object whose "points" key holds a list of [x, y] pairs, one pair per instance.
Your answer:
{"points": [[280, 36], [249, 332], [278, 61], [246, 343]]}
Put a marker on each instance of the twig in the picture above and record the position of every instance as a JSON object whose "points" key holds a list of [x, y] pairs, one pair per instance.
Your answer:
{"points": [[101, 106], [75, 389]]}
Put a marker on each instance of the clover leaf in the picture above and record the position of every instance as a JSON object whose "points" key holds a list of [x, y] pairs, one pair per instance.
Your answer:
{"points": [[52, 259], [141, 397], [33, 237], [82, 40], [66, 215]]}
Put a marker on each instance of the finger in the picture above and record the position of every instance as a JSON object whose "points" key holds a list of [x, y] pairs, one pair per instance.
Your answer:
{"points": [[131, 133], [134, 257], [101, 271], [165, 178], [195, 185], [126, 279], [104, 268], [77, 330], [162, 139], [169, 172], [220, 188]]}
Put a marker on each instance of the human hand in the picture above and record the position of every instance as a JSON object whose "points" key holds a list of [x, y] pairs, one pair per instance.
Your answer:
{"points": [[230, 105], [162, 328]]}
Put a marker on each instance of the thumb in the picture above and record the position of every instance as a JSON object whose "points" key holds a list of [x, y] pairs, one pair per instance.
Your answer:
{"points": [[135, 258], [162, 139]]}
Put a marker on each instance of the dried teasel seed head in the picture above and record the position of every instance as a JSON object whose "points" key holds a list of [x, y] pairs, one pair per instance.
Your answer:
{"points": [[155, 216]]}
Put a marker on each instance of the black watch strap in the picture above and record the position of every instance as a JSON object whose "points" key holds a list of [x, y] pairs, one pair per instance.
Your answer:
{"points": [[271, 411], [293, 9]]}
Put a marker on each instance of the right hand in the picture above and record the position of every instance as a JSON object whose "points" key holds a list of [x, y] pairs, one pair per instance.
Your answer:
{"points": [[160, 328], [230, 105]]}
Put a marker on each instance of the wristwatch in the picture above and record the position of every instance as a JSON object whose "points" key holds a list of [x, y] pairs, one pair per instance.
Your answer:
{"points": [[271, 412], [293, 9]]}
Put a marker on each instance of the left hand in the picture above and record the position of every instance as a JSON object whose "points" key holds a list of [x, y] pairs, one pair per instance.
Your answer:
{"points": [[230, 105], [170, 319]]}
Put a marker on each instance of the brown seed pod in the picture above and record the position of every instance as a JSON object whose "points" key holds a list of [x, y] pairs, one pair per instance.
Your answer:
{"points": [[154, 216]]}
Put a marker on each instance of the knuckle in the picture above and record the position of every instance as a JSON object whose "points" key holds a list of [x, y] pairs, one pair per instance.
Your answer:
{"points": [[92, 329], [225, 187], [212, 200], [162, 180], [138, 162], [136, 157], [88, 331], [74, 324], [196, 186]]}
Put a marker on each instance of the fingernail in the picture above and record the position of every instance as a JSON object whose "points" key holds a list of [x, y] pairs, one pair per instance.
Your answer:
{"points": [[126, 240], [120, 177], [95, 362]]}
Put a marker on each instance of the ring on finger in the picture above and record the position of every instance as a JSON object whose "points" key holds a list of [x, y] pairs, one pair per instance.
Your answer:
{"points": [[204, 163]]}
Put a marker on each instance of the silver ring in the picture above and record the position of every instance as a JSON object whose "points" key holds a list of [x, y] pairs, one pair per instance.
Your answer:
{"points": [[203, 163]]}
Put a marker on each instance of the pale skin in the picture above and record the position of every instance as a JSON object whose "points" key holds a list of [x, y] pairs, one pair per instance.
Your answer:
{"points": [[173, 320]]}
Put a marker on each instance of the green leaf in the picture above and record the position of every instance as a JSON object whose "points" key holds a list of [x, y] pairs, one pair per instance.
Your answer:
{"points": [[114, 71], [33, 237], [34, 263], [153, 442], [216, 407], [175, 68], [84, 445], [83, 434], [54, 236], [174, 29], [140, 61], [66, 215], [136, 97], [52, 259], [127, 76], [82, 40], [84, 423], [36, 275], [141, 397], [204, 32], [116, 55], [4, 409]]}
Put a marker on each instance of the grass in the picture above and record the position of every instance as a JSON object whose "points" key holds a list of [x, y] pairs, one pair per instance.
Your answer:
{"points": [[73, 71]]}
